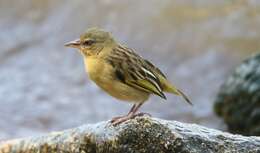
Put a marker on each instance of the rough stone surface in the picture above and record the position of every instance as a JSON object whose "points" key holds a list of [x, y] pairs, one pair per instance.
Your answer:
{"points": [[238, 101], [142, 134]]}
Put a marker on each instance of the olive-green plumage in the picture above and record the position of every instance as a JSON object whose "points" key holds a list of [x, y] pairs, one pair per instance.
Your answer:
{"points": [[119, 70]]}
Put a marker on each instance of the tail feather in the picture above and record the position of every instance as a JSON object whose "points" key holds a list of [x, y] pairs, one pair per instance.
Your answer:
{"points": [[174, 90], [184, 96]]}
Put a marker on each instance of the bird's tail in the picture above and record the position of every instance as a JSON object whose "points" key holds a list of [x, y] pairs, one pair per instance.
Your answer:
{"points": [[176, 91]]}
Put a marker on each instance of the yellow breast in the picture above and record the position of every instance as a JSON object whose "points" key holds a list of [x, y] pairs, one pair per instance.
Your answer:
{"points": [[103, 75]]}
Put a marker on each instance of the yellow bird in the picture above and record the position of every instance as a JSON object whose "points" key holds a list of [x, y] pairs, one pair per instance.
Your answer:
{"points": [[121, 72]]}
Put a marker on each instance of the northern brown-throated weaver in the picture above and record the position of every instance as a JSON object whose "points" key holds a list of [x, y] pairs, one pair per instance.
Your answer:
{"points": [[120, 72]]}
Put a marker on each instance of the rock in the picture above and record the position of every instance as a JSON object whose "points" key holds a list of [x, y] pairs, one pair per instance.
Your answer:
{"points": [[142, 134], [238, 101]]}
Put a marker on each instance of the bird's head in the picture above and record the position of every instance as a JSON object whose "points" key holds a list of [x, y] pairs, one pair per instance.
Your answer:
{"points": [[92, 42]]}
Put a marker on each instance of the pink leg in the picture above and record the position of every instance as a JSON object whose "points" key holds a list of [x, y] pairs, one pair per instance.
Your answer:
{"points": [[130, 115], [139, 114], [118, 117]]}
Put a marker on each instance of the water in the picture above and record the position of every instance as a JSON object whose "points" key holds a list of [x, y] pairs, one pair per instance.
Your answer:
{"points": [[43, 86]]}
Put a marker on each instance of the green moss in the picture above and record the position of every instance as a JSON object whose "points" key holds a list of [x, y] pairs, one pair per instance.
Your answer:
{"points": [[238, 101], [146, 136]]}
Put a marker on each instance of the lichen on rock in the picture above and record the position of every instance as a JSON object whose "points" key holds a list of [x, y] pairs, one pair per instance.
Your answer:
{"points": [[139, 135]]}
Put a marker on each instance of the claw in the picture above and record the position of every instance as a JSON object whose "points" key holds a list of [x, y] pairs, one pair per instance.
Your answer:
{"points": [[117, 120], [120, 119]]}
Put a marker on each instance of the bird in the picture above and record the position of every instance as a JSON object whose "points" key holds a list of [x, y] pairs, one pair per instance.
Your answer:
{"points": [[121, 72]]}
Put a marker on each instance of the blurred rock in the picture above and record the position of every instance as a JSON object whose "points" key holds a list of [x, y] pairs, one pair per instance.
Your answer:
{"points": [[238, 101], [137, 135]]}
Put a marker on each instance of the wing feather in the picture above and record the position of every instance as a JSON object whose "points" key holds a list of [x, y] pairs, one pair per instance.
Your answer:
{"points": [[135, 71]]}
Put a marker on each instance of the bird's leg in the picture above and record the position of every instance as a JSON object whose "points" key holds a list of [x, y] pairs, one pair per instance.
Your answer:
{"points": [[129, 113], [132, 109], [141, 113], [135, 109]]}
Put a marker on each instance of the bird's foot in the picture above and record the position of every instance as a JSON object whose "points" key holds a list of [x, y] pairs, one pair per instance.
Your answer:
{"points": [[116, 118], [120, 119]]}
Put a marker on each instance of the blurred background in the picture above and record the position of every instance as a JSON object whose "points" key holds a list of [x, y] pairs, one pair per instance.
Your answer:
{"points": [[43, 86]]}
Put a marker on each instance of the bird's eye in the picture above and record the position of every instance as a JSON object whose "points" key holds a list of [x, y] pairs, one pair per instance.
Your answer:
{"points": [[88, 42]]}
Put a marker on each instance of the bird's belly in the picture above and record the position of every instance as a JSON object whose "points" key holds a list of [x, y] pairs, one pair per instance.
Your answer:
{"points": [[122, 91], [103, 75]]}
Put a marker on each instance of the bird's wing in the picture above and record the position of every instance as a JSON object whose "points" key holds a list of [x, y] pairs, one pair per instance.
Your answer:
{"points": [[147, 82], [136, 72]]}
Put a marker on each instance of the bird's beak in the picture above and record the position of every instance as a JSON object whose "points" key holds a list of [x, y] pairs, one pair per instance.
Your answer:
{"points": [[73, 44]]}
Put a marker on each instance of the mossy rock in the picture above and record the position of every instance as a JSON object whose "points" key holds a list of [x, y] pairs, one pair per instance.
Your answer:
{"points": [[139, 135], [238, 101]]}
